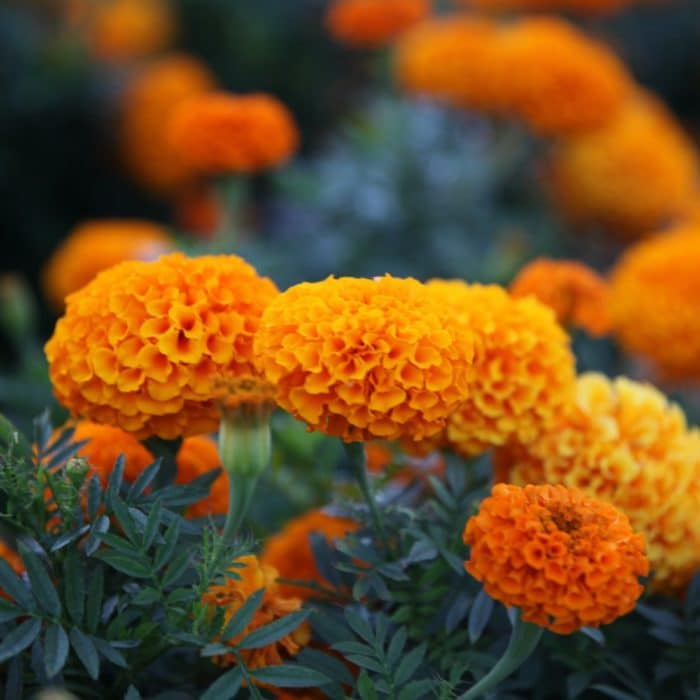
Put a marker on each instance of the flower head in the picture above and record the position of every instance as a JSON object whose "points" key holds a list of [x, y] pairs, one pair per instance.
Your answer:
{"points": [[654, 297], [96, 245], [364, 358], [622, 442], [226, 133], [148, 346], [289, 551], [373, 23], [197, 456], [576, 293], [230, 596], [567, 560]]}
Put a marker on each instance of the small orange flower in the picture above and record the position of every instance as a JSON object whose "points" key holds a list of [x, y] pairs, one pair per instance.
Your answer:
{"points": [[96, 245], [225, 133], [373, 23], [289, 551], [147, 346], [199, 211], [365, 358], [230, 595], [197, 456], [575, 292], [13, 559], [566, 560]]}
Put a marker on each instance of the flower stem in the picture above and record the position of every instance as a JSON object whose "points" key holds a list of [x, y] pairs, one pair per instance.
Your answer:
{"points": [[240, 497]]}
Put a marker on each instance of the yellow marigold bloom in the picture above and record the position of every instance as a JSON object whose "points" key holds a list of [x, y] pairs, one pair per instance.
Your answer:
{"points": [[226, 133], [523, 368], [654, 296], [565, 559], [631, 175], [120, 30], [364, 358], [373, 23], [587, 7], [197, 456], [147, 104], [576, 293], [289, 551], [94, 246], [151, 347], [229, 596], [622, 442]]}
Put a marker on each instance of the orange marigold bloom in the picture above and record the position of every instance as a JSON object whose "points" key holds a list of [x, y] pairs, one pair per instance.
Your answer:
{"points": [[197, 456], [226, 133], [94, 246], [230, 595], [524, 369], [151, 347], [654, 296], [147, 104], [365, 358], [373, 23], [631, 175], [575, 292], [289, 551], [565, 559], [622, 442]]}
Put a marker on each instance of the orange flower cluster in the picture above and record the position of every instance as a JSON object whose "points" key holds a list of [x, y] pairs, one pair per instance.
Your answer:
{"points": [[365, 358], [576, 293], [624, 443], [373, 23], [147, 105], [587, 7], [226, 133], [632, 174], [523, 367], [96, 245], [566, 560], [289, 551], [197, 456], [230, 595], [149, 346]]}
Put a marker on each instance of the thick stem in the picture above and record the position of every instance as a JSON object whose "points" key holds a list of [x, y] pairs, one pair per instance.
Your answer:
{"points": [[240, 496]]}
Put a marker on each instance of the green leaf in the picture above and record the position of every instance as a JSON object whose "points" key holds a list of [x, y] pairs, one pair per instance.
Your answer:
{"points": [[365, 687], [87, 653], [176, 568], [18, 639], [146, 597], [274, 631], [290, 676], [14, 683], [55, 649], [42, 431], [94, 496], [353, 648], [409, 664], [68, 537], [121, 510], [359, 626], [326, 664], [127, 564], [99, 527], [74, 585], [613, 692], [119, 543], [417, 689], [144, 480], [109, 652], [152, 525], [60, 455], [95, 595], [167, 549], [9, 611], [225, 687], [132, 694], [115, 482], [15, 587], [367, 662], [41, 584], [396, 646], [479, 616], [11, 437], [242, 616], [576, 683]]}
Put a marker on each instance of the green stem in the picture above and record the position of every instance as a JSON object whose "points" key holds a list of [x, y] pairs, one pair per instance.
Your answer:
{"points": [[523, 641], [240, 496]]}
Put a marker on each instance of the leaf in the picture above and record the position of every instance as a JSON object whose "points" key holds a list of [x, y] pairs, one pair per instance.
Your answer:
{"points": [[94, 496], [595, 634], [417, 689], [61, 454], [368, 662], [479, 615], [11, 438], [410, 663], [9, 611], [132, 694], [353, 648], [274, 631], [67, 538], [15, 587], [396, 646], [613, 692], [290, 676], [121, 510], [14, 684], [365, 687], [176, 568], [359, 626], [326, 664], [18, 639], [42, 587], [576, 683], [152, 526], [42, 431], [324, 556], [242, 616], [225, 687], [660, 617], [109, 652], [457, 612], [87, 653], [99, 527], [55, 650], [95, 595], [146, 597], [119, 543], [127, 564], [144, 480], [74, 586], [167, 549]]}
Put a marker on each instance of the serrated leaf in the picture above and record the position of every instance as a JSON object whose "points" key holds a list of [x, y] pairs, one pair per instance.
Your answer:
{"points": [[290, 676], [409, 664], [275, 630], [225, 687], [15, 587], [126, 564], [42, 587], [242, 616], [55, 649], [176, 568], [167, 549], [95, 594], [353, 648], [144, 480], [19, 638], [85, 650], [479, 615], [74, 586]]}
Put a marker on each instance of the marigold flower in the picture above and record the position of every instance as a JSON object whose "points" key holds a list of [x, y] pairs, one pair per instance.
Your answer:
{"points": [[199, 211], [230, 595], [373, 23], [225, 133], [523, 368], [147, 104], [631, 175], [197, 456], [622, 442], [565, 559], [289, 551], [94, 246], [364, 358], [576, 293], [151, 347], [14, 561]]}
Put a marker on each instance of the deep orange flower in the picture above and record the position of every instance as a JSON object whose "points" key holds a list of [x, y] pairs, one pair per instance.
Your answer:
{"points": [[253, 575], [373, 23], [631, 175], [365, 358], [289, 551], [416, 462], [13, 559], [575, 292], [147, 104], [94, 246], [584, 7], [622, 442], [151, 347], [199, 211], [565, 559], [654, 294], [225, 133], [197, 456]]}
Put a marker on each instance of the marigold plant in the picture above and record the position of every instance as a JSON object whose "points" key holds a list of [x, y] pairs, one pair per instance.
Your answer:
{"points": [[150, 347], [565, 559], [197, 456], [225, 133], [364, 358]]}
